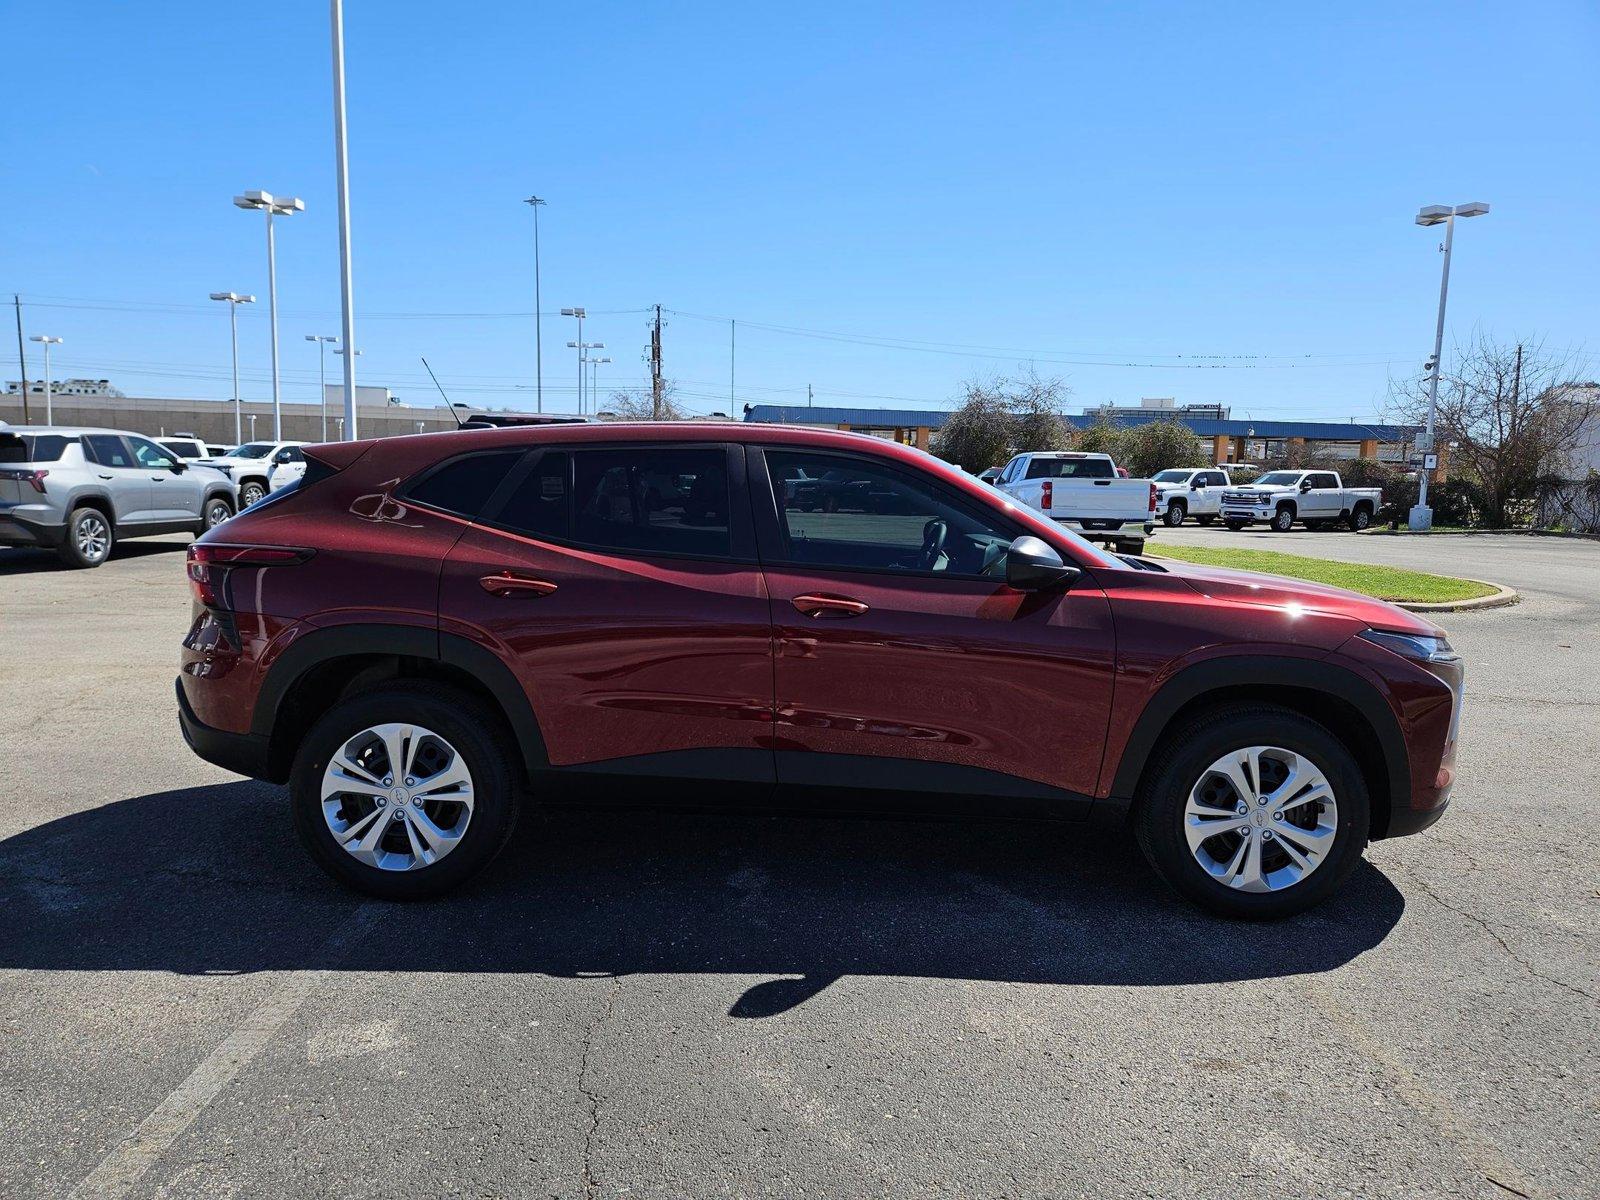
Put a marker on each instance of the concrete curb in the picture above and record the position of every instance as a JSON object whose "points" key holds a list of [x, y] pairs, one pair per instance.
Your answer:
{"points": [[1502, 598]]}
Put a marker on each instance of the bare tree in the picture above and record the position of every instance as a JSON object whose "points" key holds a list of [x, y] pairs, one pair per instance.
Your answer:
{"points": [[1513, 416], [1001, 416], [637, 404]]}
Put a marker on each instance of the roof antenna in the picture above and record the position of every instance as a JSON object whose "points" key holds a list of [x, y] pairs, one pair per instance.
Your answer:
{"points": [[447, 403]]}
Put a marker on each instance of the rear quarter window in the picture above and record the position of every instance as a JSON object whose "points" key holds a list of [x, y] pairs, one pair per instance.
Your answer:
{"points": [[463, 485], [33, 447]]}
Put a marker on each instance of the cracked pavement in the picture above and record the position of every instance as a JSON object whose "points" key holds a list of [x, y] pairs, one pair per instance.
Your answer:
{"points": [[656, 1005]]}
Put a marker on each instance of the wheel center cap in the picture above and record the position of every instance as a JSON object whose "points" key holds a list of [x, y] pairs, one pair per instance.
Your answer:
{"points": [[399, 796], [1259, 818]]}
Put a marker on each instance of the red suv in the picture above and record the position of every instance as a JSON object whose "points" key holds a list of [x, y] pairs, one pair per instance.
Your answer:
{"points": [[426, 631]]}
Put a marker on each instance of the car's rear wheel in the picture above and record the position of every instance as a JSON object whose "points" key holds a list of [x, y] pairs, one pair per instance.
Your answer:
{"points": [[406, 792], [1134, 546], [88, 540], [1360, 518], [1175, 513], [250, 492], [1253, 811], [1205, 520]]}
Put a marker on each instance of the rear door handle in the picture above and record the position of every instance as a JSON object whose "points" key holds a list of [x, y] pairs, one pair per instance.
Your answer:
{"points": [[814, 604], [507, 584]]}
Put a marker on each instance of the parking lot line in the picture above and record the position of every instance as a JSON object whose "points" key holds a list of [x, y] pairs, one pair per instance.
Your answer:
{"points": [[120, 1170]]}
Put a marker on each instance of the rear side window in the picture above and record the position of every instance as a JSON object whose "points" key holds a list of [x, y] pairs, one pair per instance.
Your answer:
{"points": [[32, 447], [541, 507], [108, 449], [464, 485], [183, 449], [1070, 468]]}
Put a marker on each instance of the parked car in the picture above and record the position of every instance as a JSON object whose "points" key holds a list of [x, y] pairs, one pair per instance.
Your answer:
{"points": [[1183, 492], [79, 491], [288, 464], [250, 466], [1084, 493], [1314, 498], [424, 631], [990, 475], [191, 449]]}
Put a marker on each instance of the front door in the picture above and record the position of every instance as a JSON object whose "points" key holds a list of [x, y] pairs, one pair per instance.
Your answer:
{"points": [[620, 584], [903, 659], [125, 480]]}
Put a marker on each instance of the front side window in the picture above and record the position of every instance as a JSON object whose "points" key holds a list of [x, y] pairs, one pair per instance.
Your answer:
{"points": [[1324, 481], [868, 516], [151, 455], [1216, 479], [108, 450], [289, 454]]}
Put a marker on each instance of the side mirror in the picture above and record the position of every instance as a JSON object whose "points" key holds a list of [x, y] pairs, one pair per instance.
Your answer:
{"points": [[1305, 485], [1032, 565], [179, 466], [1197, 487]]}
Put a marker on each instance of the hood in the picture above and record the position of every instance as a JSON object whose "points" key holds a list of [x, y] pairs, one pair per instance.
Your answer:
{"points": [[1276, 592]]}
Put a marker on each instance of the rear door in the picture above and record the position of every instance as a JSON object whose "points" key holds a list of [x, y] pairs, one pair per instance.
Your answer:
{"points": [[620, 583], [175, 491], [125, 481], [903, 659]]}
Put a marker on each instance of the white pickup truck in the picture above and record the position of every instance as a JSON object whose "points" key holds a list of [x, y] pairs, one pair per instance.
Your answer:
{"points": [[1314, 498], [1084, 493], [1183, 492]]}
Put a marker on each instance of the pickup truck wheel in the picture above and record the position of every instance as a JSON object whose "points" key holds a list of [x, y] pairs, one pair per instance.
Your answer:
{"points": [[250, 492], [1130, 546], [1235, 525], [1360, 518], [405, 792], [88, 538], [1175, 513], [1283, 520], [1253, 811], [1205, 521]]}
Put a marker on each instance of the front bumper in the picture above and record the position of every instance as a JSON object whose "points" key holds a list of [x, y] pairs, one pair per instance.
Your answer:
{"points": [[241, 753]]}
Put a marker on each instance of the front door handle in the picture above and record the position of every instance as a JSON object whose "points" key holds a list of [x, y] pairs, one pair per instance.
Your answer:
{"points": [[814, 604], [507, 584], [105, 477]]}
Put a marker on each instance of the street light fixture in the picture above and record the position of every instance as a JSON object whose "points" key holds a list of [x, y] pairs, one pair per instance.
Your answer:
{"points": [[538, 308], [234, 299], [322, 340], [583, 349], [49, 413], [1421, 516], [579, 313], [280, 206], [594, 380]]}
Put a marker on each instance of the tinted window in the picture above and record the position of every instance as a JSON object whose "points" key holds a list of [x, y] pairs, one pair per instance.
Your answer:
{"points": [[1216, 479], [853, 513], [151, 455], [1324, 481], [465, 485], [289, 454], [541, 506], [1170, 476], [108, 450], [1070, 468], [32, 447], [660, 500], [251, 450], [184, 449]]}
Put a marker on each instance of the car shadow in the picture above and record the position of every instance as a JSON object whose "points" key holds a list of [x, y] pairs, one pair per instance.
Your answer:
{"points": [[27, 560], [212, 880]]}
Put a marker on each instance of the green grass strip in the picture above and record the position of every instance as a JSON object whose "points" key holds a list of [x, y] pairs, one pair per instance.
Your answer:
{"points": [[1386, 583]]}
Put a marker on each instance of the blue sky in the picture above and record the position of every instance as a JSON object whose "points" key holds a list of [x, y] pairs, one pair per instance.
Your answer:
{"points": [[1212, 202]]}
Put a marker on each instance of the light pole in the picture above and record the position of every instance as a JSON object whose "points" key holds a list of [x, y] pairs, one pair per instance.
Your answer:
{"points": [[594, 381], [49, 416], [580, 314], [1421, 516], [280, 206], [349, 401], [341, 164], [234, 300], [322, 340], [252, 427], [538, 308], [583, 349]]}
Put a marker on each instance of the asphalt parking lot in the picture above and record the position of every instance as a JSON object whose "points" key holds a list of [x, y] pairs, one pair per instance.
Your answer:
{"points": [[672, 1006]]}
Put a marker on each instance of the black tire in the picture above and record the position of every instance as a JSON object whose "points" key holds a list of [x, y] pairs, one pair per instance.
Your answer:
{"points": [[88, 529], [216, 510], [1235, 525], [477, 734], [250, 491], [1282, 520], [1205, 521], [1176, 511], [1313, 526], [1360, 517], [1133, 546], [1186, 753]]}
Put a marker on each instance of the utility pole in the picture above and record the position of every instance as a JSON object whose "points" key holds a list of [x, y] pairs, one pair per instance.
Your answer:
{"points": [[341, 162], [655, 367], [538, 306], [808, 395], [733, 329], [22, 359]]}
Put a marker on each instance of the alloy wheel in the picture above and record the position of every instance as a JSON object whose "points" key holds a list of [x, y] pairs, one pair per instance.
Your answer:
{"points": [[250, 493], [1261, 819], [93, 537], [397, 797], [216, 513]]}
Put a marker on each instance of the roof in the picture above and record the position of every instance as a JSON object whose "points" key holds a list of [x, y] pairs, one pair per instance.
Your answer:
{"points": [[935, 418]]}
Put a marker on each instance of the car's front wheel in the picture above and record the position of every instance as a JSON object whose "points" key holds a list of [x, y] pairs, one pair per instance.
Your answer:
{"points": [[1175, 513], [1283, 520], [217, 511], [1253, 811], [405, 792], [1235, 525], [250, 492]]}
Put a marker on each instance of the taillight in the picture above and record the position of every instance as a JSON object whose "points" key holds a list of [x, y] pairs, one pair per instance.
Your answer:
{"points": [[36, 478], [209, 565], [1153, 494], [1045, 490]]}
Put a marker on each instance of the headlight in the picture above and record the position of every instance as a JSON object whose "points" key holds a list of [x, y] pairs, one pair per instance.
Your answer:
{"points": [[1423, 647]]}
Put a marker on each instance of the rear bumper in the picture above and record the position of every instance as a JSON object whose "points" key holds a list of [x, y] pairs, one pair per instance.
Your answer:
{"points": [[1107, 528], [23, 531], [241, 753]]}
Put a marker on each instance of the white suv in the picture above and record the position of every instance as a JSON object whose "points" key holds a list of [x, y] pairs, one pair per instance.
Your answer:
{"points": [[251, 466]]}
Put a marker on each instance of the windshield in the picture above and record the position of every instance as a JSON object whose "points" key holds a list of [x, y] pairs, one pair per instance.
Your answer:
{"points": [[250, 450], [1171, 476], [1280, 479]]}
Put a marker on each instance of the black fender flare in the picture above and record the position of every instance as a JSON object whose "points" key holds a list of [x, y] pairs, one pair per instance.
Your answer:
{"points": [[412, 641], [1266, 671]]}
